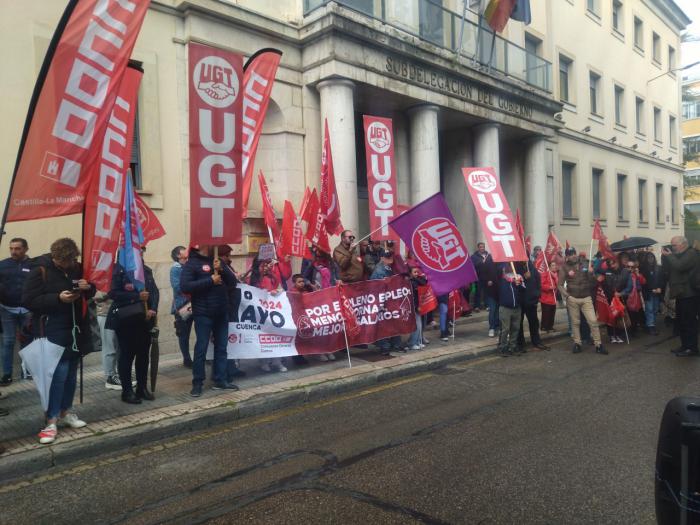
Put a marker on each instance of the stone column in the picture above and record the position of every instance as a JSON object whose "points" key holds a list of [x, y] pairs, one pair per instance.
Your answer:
{"points": [[486, 154], [337, 106], [535, 193], [425, 152], [402, 152]]}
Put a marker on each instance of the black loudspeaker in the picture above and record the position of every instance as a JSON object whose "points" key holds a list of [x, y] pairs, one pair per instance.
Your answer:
{"points": [[677, 490]]}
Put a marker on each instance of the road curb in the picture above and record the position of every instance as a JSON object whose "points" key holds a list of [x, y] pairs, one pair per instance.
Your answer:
{"points": [[62, 455]]}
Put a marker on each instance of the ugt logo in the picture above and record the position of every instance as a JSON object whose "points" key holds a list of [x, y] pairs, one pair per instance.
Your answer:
{"points": [[438, 245], [482, 181], [215, 81], [379, 137]]}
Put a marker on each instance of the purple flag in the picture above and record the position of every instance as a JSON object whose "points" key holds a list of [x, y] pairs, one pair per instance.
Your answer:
{"points": [[429, 231]]}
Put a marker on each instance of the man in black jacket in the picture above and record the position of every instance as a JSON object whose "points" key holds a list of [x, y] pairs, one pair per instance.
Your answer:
{"points": [[531, 298], [488, 273], [202, 277], [13, 273]]}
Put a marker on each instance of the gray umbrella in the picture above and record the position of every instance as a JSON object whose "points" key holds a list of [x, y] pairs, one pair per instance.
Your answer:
{"points": [[632, 243]]}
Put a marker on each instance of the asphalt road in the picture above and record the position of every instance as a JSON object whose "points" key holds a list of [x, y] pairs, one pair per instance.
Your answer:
{"points": [[548, 437]]}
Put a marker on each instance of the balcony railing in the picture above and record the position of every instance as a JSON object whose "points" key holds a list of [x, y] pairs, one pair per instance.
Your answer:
{"points": [[430, 21]]}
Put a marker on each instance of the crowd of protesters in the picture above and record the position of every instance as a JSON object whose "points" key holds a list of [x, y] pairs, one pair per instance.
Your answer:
{"points": [[46, 296]]}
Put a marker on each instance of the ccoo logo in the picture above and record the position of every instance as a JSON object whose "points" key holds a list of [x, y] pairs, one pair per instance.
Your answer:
{"points": [[482, 181], [215, 81], [379, 137], [438, 245]]}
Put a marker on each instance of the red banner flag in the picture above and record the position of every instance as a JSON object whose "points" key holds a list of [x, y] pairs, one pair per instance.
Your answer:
{"points": [[70, 106], [293, 242], [617, 309], [258, 77], [330, 208], [151, 226], [603, 245], [602, 307], [495, 215], [105, 199], [215, 77], [268, 211], [528, 244], [519, 226], [381, 175], [552, 247], [346, 310], [541, 263], [316, 232]]}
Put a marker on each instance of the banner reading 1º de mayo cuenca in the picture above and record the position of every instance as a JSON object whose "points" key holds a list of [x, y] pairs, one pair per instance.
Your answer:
{"points": [[285, 324]]}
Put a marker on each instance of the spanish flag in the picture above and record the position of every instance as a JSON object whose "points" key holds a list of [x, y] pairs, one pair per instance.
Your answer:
{"points": [[498, 12]]}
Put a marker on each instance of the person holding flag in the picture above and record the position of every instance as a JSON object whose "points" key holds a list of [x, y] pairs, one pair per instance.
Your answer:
{"points": [[530, 300], [575, 282], [615, 281], [548, 295], [350, 264]]}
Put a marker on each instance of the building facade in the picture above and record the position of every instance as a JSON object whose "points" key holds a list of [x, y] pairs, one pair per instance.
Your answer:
{"points": [[578, 112], [691, 154]]}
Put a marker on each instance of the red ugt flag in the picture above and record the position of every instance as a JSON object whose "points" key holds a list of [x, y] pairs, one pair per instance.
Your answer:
{"points": [[71, 104], [330, 207]]}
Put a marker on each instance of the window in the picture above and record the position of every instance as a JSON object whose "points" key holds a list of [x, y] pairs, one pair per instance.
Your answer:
{"points": [[592, 6], [564, 72], [691, 147], [691, 109], [135, 164], [534, 68], [657, 124], [621, 196], [659, 203], [671, 59], [568, 170], [594, 80], [639, 114], [638, 34], [430, 25], [619, 105], [674, 205], [642, 198], [617, 15], [672, 132], [656, 48], [597, 185]]}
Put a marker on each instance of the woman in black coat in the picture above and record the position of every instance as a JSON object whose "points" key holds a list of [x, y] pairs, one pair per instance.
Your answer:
{"points": [[54, 292], [134, 332]]}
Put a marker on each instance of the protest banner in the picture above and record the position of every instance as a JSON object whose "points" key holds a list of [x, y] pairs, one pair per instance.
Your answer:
{"points": [[290, 323], [215, 103], [381, 175], [430, 232], [70, 106], [495, 216]]}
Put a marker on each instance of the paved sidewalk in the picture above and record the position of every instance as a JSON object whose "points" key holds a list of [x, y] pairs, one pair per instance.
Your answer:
{"points": [[106, 413]]}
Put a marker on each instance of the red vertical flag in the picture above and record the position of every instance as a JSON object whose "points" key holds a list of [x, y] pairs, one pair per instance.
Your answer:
{"points": [[304, 206], [104, 205], [293, 242], [330, 208], [552, 247], [602, 307], [381, 175], [603, 245], [316, 232], [268, 210], [215, 79], [151, 226], [541, 263], [258, 77], [70, 106]]}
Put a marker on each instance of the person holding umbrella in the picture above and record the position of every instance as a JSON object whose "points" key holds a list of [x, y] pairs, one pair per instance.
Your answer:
{"points": [[54, 291]]}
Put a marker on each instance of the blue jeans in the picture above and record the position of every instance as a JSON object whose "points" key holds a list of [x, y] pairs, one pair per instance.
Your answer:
{"points": [[478, 300], [494, 323], [63, 387], [651, 308], [182, 330], [416, 338], [443, 318], [110, 348], [204, 328], [10, 323]]}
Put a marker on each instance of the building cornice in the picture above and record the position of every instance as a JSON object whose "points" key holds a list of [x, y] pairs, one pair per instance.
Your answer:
{"points": [[669, 10]]}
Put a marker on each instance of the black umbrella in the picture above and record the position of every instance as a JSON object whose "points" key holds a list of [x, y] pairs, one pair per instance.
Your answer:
{"points": [[632, 243], [155, 356]]}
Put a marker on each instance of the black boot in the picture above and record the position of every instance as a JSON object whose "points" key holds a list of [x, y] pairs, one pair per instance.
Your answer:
{"points": [[577, 348], [130, 397], [143, 393]]}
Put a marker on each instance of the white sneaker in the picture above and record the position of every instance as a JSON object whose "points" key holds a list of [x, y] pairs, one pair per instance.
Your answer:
{"points": [[492, 332], [322, 357], [331, 357], [48, 434], [265, 367], [72, 420], [421, 346], [415, 347], [281, 368], [113, 383]]}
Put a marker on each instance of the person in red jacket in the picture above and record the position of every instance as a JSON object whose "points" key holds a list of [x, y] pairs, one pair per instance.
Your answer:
{"points": [[548, 297]]}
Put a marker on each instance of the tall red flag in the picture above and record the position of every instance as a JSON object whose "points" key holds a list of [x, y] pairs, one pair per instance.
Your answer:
{"points": [[268, 211], [258, 77], [330, 208], [103, 218], [552, 247], [304, 206], [602, 307], [215, 106], [293, 242], [381, 175], [597, 231], [70, 106], [316, 232], [541, 263], [519, 226], [151, 226], [603, 245]]}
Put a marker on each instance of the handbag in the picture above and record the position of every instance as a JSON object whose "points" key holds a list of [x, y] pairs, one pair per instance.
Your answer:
{"points": [[185, 311], [634, 301], [130, 313]]}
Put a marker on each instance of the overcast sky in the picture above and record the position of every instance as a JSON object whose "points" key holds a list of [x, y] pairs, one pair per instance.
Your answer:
{"points": [[691, 51]]}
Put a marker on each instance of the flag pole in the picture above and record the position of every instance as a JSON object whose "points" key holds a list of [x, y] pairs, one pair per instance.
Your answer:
{"points": [[624, 325], [368, 235], [347, 346], [454, 316]]}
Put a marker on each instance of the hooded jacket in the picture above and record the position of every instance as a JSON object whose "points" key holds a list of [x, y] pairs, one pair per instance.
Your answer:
{"points": [[208, 299]]}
